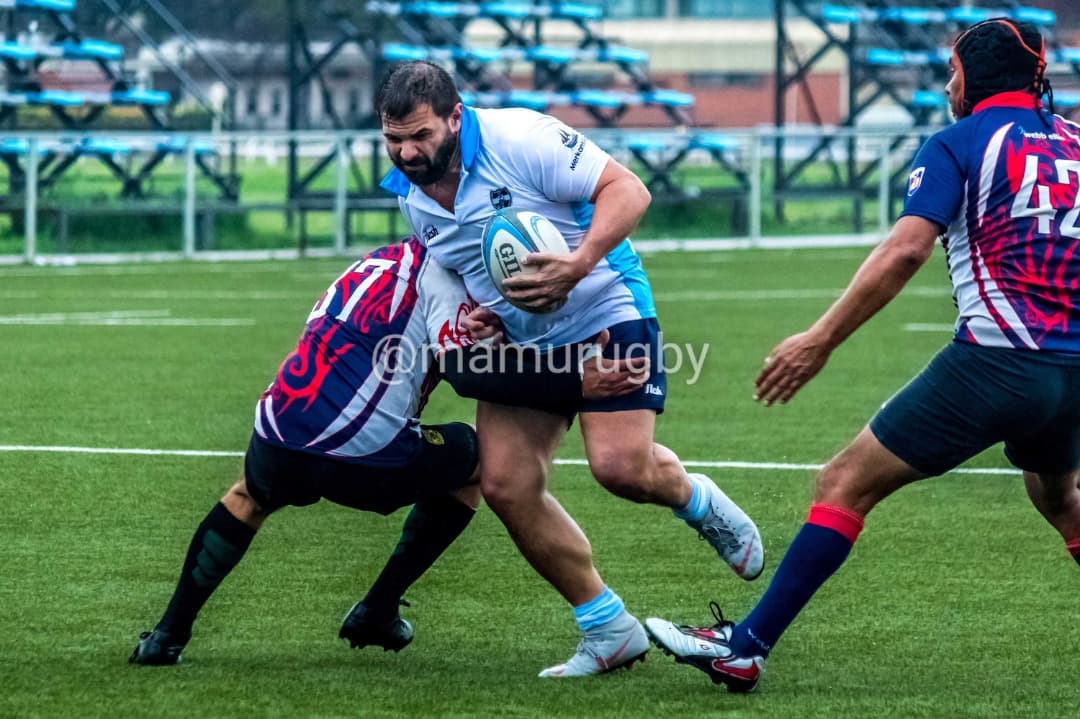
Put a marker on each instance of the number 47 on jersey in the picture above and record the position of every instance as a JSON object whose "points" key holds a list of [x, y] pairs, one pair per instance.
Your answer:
{"points": [[1043, 208]]}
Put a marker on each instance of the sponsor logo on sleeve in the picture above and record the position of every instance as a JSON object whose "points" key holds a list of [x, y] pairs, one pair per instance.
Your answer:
{"points": [[569, 137], [915, 181]]}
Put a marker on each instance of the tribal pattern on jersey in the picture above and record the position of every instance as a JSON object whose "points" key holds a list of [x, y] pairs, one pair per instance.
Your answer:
{"points": [[354, 386], [1005, 182]]}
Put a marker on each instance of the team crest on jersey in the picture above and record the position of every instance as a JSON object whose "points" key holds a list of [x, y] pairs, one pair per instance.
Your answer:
{"points": [[501, 198], [569, 139], [915, 181]]}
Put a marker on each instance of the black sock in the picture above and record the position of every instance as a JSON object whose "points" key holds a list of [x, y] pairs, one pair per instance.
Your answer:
{"points": [[219, 543], [432, 525]]}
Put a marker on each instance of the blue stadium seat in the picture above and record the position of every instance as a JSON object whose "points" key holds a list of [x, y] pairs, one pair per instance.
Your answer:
{"points": [[621, 54], [841, 15], [9, 146], [439, 9], [514, 10], [576, 11], [56, 5], [89, 49], [400, 52], [140, 97], [178, 146], [667, 98], [537, 100], [1035, 15], [969, 15], [60, 98], [1068, 54], [12, 98], [929, 99], [714, 142], [485, 55], [914, 15], [99, 146], [604, 98], [552, 55], [1065, 100], [649, 143], [884, 56], [17, 51]]}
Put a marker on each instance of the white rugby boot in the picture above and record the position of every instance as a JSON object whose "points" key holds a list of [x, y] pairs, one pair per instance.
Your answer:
{"points": [[614, 645], [730, 531]]}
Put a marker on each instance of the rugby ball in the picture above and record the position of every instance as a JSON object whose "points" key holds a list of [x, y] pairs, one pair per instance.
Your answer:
{"points": [[508, 237]]}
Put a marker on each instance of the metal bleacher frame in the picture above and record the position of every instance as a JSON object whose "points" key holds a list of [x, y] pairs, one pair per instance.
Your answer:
{"points": [[133, 163], [893, 51], [390, 32]]}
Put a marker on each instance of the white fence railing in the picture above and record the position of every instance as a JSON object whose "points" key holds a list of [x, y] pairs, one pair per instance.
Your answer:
{"points": [[743, 161]]}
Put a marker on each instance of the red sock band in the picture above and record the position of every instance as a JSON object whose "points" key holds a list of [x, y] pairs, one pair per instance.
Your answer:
{"points": [[1074, 547], [838, 519]]}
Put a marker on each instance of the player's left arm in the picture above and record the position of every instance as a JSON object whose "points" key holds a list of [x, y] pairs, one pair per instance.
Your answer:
{"points": [[796, 360], [619, 202]]}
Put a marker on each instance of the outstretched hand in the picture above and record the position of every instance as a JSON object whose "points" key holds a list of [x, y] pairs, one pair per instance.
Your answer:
{"points": [[549, 285], [790, 365]]}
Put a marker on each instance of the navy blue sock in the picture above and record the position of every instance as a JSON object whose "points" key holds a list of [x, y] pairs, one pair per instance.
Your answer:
{"points": [[218, 545], [817, 551]]}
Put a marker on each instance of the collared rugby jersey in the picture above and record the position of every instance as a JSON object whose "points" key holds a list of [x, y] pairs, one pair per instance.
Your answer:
{"points": [[355, 384], [1004, 183], [521, 159]]}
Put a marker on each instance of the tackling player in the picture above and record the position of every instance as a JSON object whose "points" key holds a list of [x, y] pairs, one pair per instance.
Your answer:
{"points": [[1001, 186], [340, 421], [455, 167]]}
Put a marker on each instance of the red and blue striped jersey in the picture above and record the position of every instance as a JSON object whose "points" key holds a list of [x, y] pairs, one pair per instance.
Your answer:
{"points": [[1004, 183], [355, 384]]}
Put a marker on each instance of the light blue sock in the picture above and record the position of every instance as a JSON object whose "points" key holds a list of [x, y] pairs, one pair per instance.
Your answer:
{"points": [[600, 610], [698, 505]]}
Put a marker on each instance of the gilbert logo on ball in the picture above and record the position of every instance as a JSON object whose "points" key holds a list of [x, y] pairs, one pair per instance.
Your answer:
{"points": [[509, 237]]}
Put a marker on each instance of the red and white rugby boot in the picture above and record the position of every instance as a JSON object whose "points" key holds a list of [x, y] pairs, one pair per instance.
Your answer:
{"points": [[708, 649]]}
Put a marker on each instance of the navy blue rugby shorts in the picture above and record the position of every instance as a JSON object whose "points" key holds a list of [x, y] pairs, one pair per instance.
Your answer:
{"points": [[970, 398], [635, 338]]}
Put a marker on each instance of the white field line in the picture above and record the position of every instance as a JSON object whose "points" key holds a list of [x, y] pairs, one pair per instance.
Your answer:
{"points": [[782, 294], [928, 327], [688, 245], [771, 466], [122, 318]]}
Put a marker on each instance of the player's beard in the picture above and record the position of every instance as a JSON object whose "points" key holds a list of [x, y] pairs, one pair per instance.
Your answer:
{"points": [[430, 171]]}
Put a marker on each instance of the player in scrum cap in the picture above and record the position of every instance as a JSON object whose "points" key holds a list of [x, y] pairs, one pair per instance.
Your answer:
{"points": [[1000, 188]]}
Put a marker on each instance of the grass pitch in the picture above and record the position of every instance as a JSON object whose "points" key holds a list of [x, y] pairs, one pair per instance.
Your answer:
{"points": [[957, 601]]}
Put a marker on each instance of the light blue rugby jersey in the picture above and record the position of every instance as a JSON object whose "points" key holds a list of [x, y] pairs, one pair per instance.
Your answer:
{"points": [[528, 161]]}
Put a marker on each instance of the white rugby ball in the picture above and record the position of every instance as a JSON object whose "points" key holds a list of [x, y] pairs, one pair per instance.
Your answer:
{"points": [[509, 236]]}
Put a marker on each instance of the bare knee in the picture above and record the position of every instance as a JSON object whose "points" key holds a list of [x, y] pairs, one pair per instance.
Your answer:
{"points": [[243, 506], [507, 493], [624, 474], [840, 484]]}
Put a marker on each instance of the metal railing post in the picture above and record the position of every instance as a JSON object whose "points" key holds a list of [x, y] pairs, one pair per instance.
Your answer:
{"points": [[31, 190], [341, 198], [189, 199], [755, 187], [884, 187]]}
